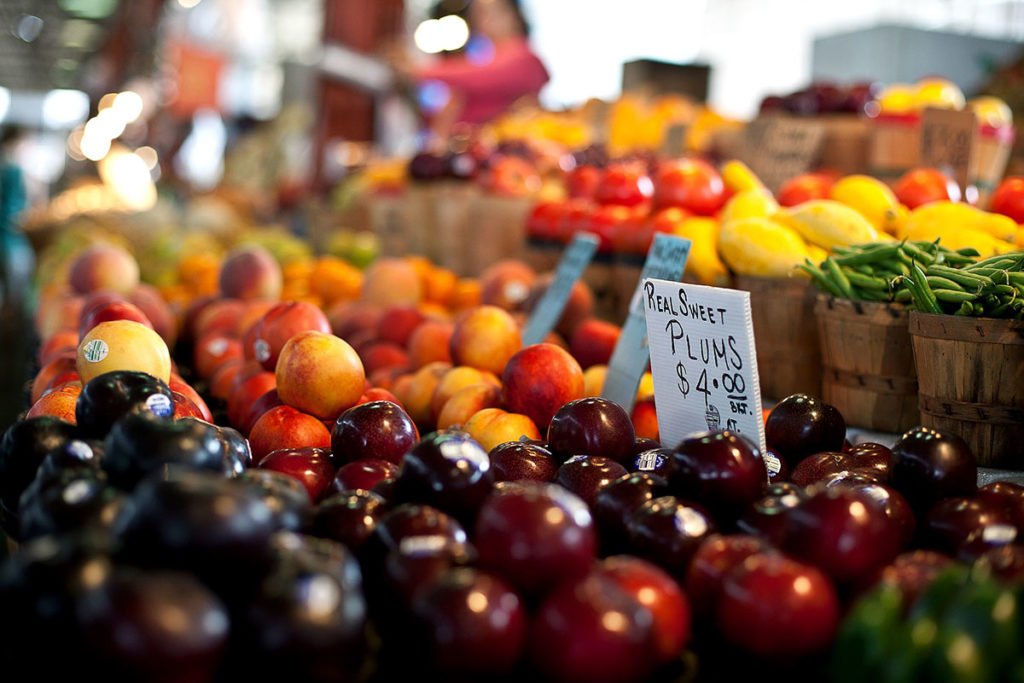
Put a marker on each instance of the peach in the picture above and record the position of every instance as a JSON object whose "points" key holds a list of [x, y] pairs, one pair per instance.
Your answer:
{"points": [[385, 378], [59, 402], [149, 301], [320, 374], [492, 427], [578, 308], [348, 318], [593, 342], [193, 309], [392, 282], [539, 380], [222, 381], [645, 419], [212, 351], [593, 380], [416, 394], [507, 284], [185, 389], [60, 313], [486, 338], [45, 378], [255, 411], [250, 272], [378, 394], [123, 345], [278, 325], [456, 379], [252, 311], [245, 392], [646, 388], [439, 285], [430, 343], [114, 310], [218, 316], [186, 407], [104, 267], [286, 427], [467, 401], [466, 294], [58, 343], [383, 355], [397, 324]]}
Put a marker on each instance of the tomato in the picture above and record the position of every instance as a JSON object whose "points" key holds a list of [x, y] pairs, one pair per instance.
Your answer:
{"points": [[804, 188], [605, 221], [575, 216], [543, 220], [583, 181], [923, 185], [624, 184], [1009, 198], [691, 184]]}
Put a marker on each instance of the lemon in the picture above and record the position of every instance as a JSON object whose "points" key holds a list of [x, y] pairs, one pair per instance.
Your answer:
{"points": [[938, 92]]}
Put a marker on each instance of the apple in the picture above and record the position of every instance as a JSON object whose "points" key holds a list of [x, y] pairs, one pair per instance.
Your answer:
{"points": [[690, 184], [624, 184]]}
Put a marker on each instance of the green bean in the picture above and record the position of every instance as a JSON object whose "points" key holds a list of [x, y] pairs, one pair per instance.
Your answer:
{"points": [[820, 279], [841, 250], [924, 298], [943, 282], [903, 296], [954, 296], [918, 253], [1015, 278], [966, 308], [968, 251], [992, 261], [1002, 289], [1001, 310], [863, 269], [952, 258], [833, 271], [871, 295], [866, 281], [872, 255], [959, 276]]}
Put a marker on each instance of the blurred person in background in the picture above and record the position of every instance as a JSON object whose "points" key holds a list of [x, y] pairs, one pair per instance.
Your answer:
{"points": [[16, 257], [497, 70]]}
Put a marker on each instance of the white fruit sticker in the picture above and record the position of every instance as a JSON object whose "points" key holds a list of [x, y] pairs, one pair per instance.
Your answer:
{"points": [[160, 405], [262, 349], [773, 464], [649, 461], [95, 351], [218, 347]]}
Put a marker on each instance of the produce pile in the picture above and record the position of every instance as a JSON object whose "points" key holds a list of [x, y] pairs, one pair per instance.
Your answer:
{"points": [[395, 486]]}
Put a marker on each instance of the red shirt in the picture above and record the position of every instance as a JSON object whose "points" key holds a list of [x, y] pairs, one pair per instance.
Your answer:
{"points": [[489, 88]]}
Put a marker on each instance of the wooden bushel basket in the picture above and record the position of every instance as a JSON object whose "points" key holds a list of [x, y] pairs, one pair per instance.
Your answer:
{"points": [[626, 270], [452, 205], [971, 377], [497, 230], [868, 370], [786, 335], [389, 222]]}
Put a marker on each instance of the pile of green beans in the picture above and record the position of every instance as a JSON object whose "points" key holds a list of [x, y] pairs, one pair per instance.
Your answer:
{"points": [[926, 277]]}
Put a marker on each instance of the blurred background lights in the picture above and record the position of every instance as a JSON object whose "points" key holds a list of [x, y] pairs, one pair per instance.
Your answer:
{"points": [[94, 147], [128, 105], [188, 4], [5, 102], [127, 176], [439, 35], [29, 27], [65, 108], [427, 37], [148, 156]]}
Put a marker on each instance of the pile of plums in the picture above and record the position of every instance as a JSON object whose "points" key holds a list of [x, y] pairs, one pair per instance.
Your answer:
{"points": [[153, 549]]}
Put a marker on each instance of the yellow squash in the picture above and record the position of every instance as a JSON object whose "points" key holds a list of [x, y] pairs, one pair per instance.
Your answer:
{"points": [[828, 224], [760, 247], [869, 196], [703, 261], [946, 216]]}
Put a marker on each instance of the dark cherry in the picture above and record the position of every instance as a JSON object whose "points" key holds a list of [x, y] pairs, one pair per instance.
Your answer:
{"points": [[768, 516], [722, 470], [307, 619], [872, 456], [348, 518], [535, 535], [896, 508], [363, 474], [379, 429], [801, 425], [586, 475], [472, 623], [658, 461], [642, 444], [1007, 496], [668, 532], [109, 397], [286, 497], [913, 572], [310, 466], [154, 626], [593, 631], [592, 426], [820, 467], [716, 557], [448, 470], [844, 532], [237, 455], [74, 500], [142, 443], [929, 466], [24, 446], [417, 562], [954, 523], [1005, 562], [618, 500], [73, 454], [517, 460], [403, 522]]}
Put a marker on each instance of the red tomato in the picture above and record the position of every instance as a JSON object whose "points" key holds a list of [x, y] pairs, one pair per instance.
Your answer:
{"points": [[666, 220], [543, 220], [691, 184], [583, 181], [1009, 198], [606, 221], [924, 185], [804, 188], [573, 218], [624, 184]]}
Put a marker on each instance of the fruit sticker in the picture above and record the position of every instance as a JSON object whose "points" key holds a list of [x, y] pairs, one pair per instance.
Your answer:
{"points": [[95, 351], [703, 360], [219, 346], [160, 405], [262, 349]]}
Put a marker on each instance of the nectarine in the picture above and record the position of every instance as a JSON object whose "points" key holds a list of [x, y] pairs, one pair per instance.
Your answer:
{"points": [[250, 272], [539, 380], [320, 374], [286, 427], [486, 338], [123, 345]]}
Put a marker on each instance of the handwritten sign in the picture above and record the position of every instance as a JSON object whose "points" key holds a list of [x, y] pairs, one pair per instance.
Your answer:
{"points": [[574, 261], [703, 360], [666, 260], [778, 148], [947, 141]]}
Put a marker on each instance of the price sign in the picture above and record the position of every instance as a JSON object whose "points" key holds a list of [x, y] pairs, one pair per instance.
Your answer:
{"points": [[703, 360], [666, 260], [574, 261], [778, 148], [947, 141]]}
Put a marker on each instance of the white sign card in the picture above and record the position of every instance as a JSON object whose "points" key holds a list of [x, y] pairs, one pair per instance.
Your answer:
{"points": [[703, 360], [549, 309], [666, 260]]}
